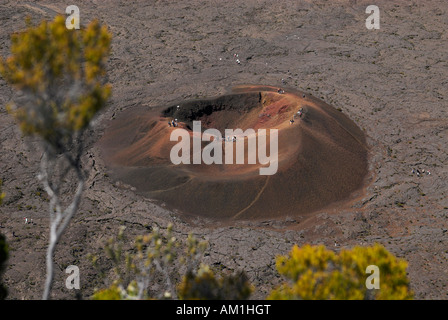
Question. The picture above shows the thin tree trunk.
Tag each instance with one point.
(50, 268)
(58, 220)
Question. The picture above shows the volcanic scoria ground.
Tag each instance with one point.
(390, 82)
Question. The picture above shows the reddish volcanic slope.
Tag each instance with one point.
(322, 156)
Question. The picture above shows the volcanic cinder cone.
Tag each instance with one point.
(322, 155)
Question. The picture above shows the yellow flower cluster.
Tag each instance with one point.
(313, 272)
(59, 71)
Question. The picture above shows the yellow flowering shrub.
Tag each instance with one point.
(59, 73)
(314, 272)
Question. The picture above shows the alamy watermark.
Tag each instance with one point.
(212, 153)
(373, 20)
(373, 281)
(72, 281)
(72, 21)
